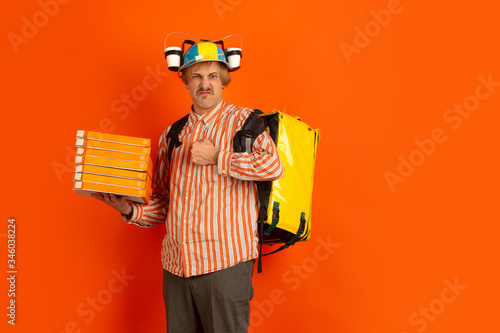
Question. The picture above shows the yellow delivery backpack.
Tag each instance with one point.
(284, 204)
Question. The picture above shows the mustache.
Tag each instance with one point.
(204, 90)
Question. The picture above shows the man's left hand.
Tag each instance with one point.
(202, 152)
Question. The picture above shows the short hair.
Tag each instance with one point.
(224, 75)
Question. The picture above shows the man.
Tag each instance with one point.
(206, 197)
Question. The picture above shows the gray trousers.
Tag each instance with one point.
(216, 302)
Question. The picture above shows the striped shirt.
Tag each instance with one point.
(210, 212)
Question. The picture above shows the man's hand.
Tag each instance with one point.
(120, 204)
(202, 152)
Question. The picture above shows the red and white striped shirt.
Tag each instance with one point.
(210, 211)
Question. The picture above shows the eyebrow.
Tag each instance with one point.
(195, 73)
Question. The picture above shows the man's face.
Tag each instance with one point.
(205, 86)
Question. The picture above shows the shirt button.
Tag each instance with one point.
(185, 198)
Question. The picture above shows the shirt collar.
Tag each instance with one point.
(207, 117)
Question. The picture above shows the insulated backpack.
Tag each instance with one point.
(284, 204)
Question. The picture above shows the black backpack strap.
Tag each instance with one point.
(173, 135)
(253, 127)
(291, 242)
(294, 239)
(243, 142)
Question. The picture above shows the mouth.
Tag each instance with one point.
(204, 92)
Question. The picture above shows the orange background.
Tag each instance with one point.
(392, 250)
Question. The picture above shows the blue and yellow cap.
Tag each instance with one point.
(203, 51)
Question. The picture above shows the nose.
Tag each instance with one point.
(205, 83)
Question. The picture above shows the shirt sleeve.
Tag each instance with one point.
(262, 164)
(155, 212)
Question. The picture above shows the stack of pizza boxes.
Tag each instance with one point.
(113, 163)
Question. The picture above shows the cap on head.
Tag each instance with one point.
(203, 51)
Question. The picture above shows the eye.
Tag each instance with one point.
(213, 76)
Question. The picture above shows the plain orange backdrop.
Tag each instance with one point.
(378, 78)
